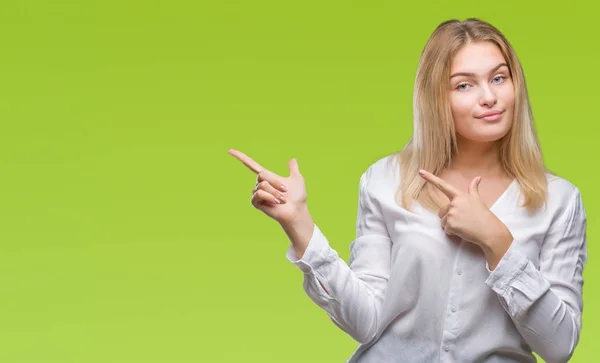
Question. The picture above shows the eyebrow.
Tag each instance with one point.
(467, 74)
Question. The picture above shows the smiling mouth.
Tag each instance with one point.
(492, 117)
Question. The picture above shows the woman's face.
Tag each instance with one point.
(482, 95)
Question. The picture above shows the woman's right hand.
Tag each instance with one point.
(281, 198)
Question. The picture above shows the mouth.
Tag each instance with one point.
(491, 116)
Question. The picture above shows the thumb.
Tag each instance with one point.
(474, 186)
(293, 166)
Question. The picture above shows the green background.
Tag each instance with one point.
(126, 229)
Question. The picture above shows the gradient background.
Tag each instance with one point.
(127, 231)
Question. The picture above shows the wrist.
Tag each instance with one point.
(495, 247)
(299, 231)
(301, 218)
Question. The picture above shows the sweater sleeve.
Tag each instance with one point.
(546, 304)
(353, 293)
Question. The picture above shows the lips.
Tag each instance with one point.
(490, 115)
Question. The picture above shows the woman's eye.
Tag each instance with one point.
(499, 79)
(462, 86)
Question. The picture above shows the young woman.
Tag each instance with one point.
(467, 248)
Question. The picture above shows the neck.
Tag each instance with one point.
(477, 159)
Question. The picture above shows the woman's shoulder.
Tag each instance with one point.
(558, 185)
(562, 193)
(385, 169)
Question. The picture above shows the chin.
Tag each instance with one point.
(490, 133)
(486, 137)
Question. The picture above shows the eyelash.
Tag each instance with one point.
(461, 84)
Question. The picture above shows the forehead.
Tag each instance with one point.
(478, 57)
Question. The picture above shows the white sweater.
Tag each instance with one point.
(412, 294)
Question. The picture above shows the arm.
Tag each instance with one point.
(352, 295)
(546, 304)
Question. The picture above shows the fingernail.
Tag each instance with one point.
(282, 198)
(283, 187)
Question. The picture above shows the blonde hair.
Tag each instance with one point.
(434, 139)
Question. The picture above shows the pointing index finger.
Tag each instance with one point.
(439, 183)
(251, 164)
(264, 174)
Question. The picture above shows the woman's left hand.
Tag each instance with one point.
(467, 217)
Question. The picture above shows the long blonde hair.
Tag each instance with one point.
(434, 139)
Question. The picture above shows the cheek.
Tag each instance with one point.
(508, 96)
(462, 106)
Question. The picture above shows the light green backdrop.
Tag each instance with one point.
(126, 230)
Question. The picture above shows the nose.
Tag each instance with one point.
(488, 97)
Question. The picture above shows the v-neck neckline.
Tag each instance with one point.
(503, 195)
(497, 204)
